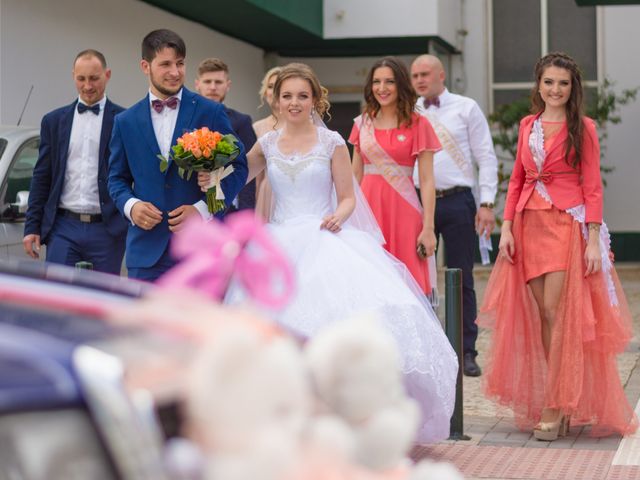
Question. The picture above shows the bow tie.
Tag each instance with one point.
(93, 108)
(435, 101)
(158, 105)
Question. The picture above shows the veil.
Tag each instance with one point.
(362, 217)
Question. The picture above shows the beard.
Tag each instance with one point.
(164, 90)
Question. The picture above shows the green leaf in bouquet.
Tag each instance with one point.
(178, 150)
(184, 161)
(230, 138)
(181, 172)
(164, 164)
(189, 174)
(207, 165)
(221, 160)
(224, 148)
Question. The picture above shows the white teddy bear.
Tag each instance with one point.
(261, 409)
(249, 403)
(355, 370)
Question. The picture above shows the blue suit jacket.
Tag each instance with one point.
(242, 125)
(134, 170)
(48, 174)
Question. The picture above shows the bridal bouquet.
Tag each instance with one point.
(205, 151)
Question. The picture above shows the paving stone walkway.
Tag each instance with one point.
(498, 450)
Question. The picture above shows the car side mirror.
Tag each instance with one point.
(18, 210)
(22, 202)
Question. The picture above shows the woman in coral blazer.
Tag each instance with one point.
(554, 299)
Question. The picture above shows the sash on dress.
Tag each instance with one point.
(401, 180)
(391, 171)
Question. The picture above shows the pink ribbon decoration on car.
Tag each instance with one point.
(211, 253)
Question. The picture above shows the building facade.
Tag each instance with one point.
(489, 48)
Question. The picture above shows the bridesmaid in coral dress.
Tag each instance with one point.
(389, 138)
(554, 300)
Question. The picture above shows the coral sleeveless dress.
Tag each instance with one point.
(592, 325)
(399, 221)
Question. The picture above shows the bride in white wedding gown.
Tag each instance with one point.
(341, 268)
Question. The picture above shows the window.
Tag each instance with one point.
(21, 170)
(522, 31)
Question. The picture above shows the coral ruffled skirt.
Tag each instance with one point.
(580, 377)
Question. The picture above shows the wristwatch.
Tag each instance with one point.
(488, 205)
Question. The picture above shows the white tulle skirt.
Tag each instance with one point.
(349, 273)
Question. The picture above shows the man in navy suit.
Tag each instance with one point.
(157, 203)
(214, 83)
(70, 209)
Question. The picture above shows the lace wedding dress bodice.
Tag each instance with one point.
(302, 183)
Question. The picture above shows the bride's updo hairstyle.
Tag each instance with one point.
(320, 94)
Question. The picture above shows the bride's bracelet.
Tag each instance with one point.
(594, 227)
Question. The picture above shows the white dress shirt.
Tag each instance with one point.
(164, 124)
(80, 188)
(461, 120)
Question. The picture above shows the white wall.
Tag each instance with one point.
(40, 38)
(364, 18)
(622, 65)
(472, 79)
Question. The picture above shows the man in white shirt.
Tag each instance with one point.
(464, 134)
(70, 209)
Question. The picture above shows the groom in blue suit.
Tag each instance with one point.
(156, 203)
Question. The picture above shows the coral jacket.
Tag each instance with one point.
(567, 187)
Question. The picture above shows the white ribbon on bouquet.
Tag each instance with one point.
(216, 177)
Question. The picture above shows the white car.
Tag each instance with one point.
(18, 155)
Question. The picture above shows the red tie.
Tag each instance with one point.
(171, 102)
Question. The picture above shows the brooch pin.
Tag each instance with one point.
(402, 138)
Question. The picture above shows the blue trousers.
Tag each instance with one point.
(72, 241)
(151, 274)
(455, 221)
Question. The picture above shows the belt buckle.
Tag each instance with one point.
(439, 193)
(85, 217)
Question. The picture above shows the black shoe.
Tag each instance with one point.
(471, 368)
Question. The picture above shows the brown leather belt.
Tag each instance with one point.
(83, 217)
(450, 191)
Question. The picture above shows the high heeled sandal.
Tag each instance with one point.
(550, 431)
